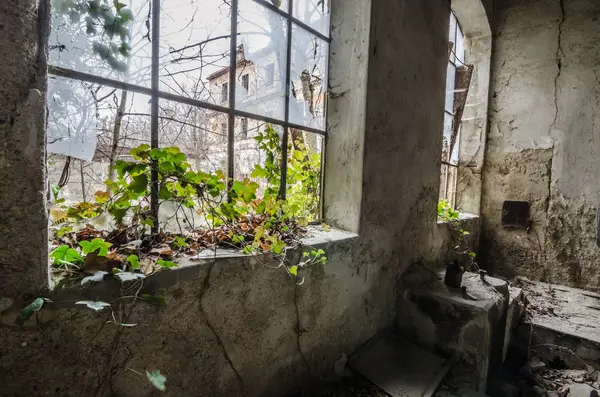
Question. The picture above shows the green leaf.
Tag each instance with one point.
(134, 261)
(64, 230)
(33, 307)
(94, 305)
(180, 242)
(139, 184)
(66, 255)
(166, 264)
(96, 245)
(156, 300)
(294, 270)
(157, 379)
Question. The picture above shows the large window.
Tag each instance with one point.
(202, 75)
(457, 82)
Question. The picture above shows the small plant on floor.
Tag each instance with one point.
(460, 237)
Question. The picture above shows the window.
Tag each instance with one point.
(244, 124)
(458, 78)
(176, 85)
(245, 84)
(270, 74)
(224, 92)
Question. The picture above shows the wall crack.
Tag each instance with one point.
(299, 330)
(205, 284)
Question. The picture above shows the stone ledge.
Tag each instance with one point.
(189, 269)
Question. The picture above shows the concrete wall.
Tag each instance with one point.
(542, 144)
(22, 150)
(233, 327)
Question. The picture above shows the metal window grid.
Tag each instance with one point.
(156, 94)
(449, 193)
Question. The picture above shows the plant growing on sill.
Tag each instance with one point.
(459, 237)
(256, 225)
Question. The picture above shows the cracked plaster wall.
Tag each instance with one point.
(542, 141)
(236, 328)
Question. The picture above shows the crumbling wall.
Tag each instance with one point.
(234, 328)
(407, 72)
(23, 217)
(541, 145)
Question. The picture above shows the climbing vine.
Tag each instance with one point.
(234, 213)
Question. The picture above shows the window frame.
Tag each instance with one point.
(230, 110)
(448, 192)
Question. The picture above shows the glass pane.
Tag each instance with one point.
(308, 79)
(260, 72)
(201, 135)
(84, 120)
(81, 41)
(194, 48)
(460, 47)
(256, 144)
(450, 84)
(305, 155)
(314, 13)
(446, 137)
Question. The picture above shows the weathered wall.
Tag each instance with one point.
(407, 71)
(23, 219)
(237, 329)
(541, 143)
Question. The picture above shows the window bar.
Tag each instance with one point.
(154, 111)
(73, 74)
(232, 78)
(286, 128)
(289, 16)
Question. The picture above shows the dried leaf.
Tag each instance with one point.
(97, 277)
(94, 305)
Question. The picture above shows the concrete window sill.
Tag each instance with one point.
(195, 269)
(463, 218)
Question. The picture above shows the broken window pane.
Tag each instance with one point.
(194, 48)
(308, 79)
(314, 13)
(100, 39)
(262, 42)
(95, 126)
(72, 117)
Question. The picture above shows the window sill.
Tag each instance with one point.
(463, 217)
(191, 269)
